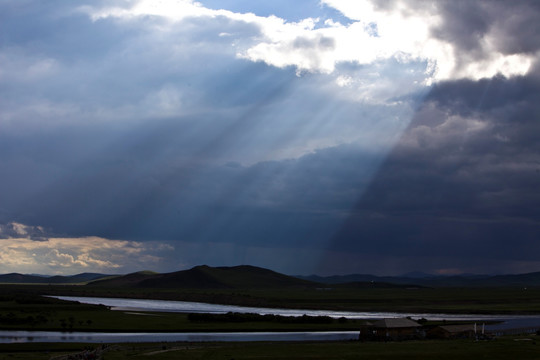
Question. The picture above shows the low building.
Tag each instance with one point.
(392, 329)
(464, 331)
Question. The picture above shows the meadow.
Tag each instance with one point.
(22, 307)
(503, 348)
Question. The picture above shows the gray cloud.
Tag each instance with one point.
(138, 190)
(508, 27)
(16, 230)
(133, 129)
(132, 140)
(462, 181)
(465, 23)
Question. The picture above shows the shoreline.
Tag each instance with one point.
(202, 307)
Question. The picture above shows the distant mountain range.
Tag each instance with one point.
(15, 278)
(246, 276)
(468, 280)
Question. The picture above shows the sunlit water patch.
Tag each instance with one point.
(196, 307)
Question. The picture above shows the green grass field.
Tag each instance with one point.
(21, 307)
(504, 348)
(37, 313)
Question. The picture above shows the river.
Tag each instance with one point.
(507, 322)
(99, 337)
(196, 307)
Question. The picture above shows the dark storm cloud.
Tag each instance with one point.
(464, 24)
(156, 128)
(510, 26)
(463, 180)
(144, 188)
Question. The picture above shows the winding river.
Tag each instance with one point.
(506, 322)
(196, 307)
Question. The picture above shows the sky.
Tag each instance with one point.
(308, 137)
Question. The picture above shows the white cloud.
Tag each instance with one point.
(401, 31)
(67, 255)
(19, 229)
(405, 28)
(343, 81)
(15, 230)
(173, 9)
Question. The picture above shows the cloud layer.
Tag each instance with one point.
(29, 249)
(459, 39)
(462, 181)
(342, 133)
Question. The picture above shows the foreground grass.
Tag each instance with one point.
(22, 308)
(522, 348)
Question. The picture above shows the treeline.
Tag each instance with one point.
(235, 317)
(12, 319)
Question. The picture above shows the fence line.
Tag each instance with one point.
(516, 331)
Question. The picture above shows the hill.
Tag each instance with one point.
(206, 277)
(246, 276)
(16, 278)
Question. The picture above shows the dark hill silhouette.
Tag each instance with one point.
(21, 279)
(519, 280)
(374, 285)
(124, 280)
(246, 276)
(16, 278)
(206, 277)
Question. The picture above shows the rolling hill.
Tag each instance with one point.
(246, 276)
(206, 277)
(16, 278)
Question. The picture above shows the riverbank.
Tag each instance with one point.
(87, 315)
(49, 314)
(27, 311)
(400, 300)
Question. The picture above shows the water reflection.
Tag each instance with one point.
(94, 337)
(195, 307)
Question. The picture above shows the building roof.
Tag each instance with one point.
(458, 328)
(396, 323)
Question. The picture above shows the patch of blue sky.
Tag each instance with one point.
(290, 11)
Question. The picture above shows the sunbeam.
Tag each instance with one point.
(319, 136)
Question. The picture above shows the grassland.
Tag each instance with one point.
(523, 348)
(64, 316)
(24, 311)
(21, 307)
